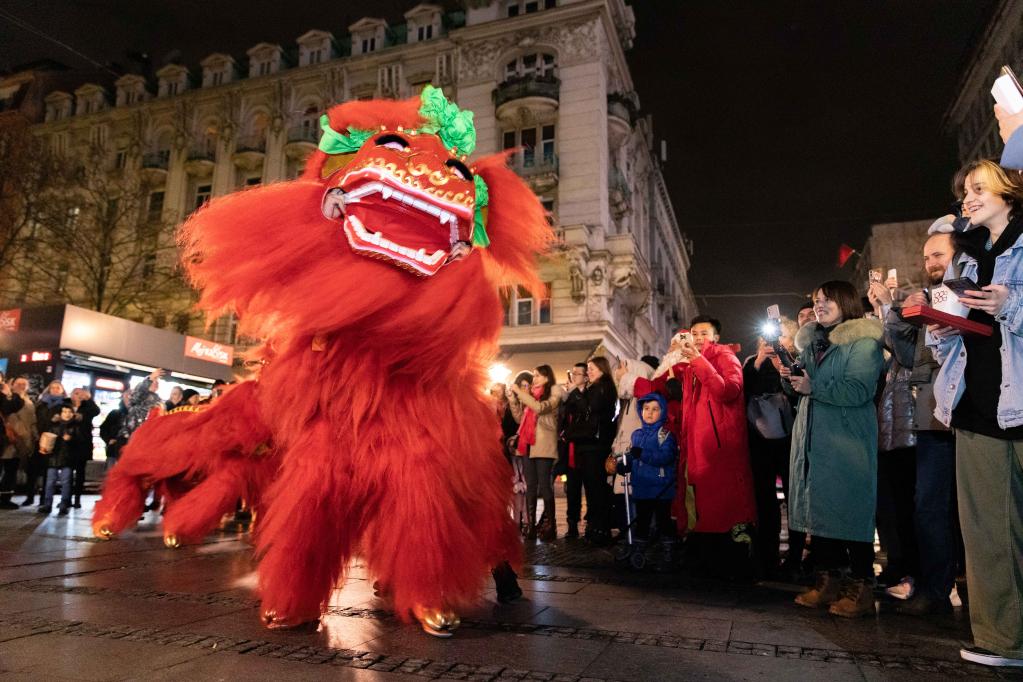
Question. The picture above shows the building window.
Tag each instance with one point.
(172, 88)
(58, 143)
(155, 212)
(389, 79)
(121, 159)
(549, 211)
(424, 32)
(537, 144)
(517, 7)
(253, 181)
(369, 45)
(218, 77)
(62, 275)
(522, 309)
(536, 64)
(445, 67)
(225, 329)
(181, 323)
(98, 136)
(148, 265)
(202, 195)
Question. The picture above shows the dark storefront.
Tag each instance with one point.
(106, 354)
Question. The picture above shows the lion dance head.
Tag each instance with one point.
(390, 225)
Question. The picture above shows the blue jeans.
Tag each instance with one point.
(936, 516)
(51, 483)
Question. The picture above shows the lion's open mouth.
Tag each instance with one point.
(419, 230)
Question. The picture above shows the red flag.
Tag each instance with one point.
(845, 252)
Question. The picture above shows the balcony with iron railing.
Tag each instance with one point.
(539, 170)
(251, 143)
(156, 160)
(302, 141)
(203, 151)
(539, 93)
(304, 133)
(249, 151)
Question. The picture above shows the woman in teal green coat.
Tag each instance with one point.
(833, 464)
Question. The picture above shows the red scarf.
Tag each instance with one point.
(527, 428)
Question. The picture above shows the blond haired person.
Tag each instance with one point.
(979, 392)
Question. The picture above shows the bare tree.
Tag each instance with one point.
(102, 242)
(27, 174)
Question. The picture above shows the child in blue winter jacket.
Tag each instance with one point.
(654, 464)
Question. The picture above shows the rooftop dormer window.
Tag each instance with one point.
(218, 69)
(173, 80)
(423, 22)
(368, 35)
(315, 47)
(90, 98)
(264, 60)
(58, 106)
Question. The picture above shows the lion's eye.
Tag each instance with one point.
(392, 141)
(461, 170)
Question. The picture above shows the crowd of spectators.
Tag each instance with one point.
(877, 425)
(48, 439)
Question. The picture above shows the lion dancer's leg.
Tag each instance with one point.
(438, 531)
(190, 516)
(310, 517)
(187, 446)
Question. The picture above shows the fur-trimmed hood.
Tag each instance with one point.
(637, 370)
(844, 333)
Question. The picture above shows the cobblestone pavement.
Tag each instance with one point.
(72, 607)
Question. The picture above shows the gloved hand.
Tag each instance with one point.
(673, 387)
(623, 468)
(636, 453)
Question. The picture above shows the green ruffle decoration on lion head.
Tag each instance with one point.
(442, 118)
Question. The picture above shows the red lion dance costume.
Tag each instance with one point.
(367, 431)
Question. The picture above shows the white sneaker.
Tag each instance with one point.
(975, 654)
(904, 590)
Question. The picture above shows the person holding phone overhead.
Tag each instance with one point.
(979, 392)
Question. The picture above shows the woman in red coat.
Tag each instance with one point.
(714, 449)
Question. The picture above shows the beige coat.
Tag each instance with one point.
(23, 425)
(546, 446)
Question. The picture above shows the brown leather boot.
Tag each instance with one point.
(857, 600)
(825, 592)
(546, 530)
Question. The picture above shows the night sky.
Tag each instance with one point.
(791, 126)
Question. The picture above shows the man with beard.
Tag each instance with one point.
(935, 501)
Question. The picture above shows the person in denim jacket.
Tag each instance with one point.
(979, 392)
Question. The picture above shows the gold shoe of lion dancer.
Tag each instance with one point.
(437, 622)
(274, 621)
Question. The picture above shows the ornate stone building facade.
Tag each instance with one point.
(547, 77)
(971, 118)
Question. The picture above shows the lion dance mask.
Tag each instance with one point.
(373, 281)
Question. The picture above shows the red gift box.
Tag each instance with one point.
(925, 314)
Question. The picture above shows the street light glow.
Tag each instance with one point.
(498, 373)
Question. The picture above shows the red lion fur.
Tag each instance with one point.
(382, 443)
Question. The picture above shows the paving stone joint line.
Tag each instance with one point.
(619, 637)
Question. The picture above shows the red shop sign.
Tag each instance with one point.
(200, 349)
(10, 320)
